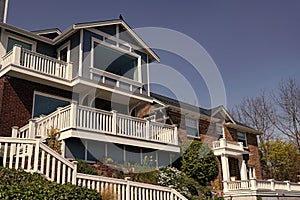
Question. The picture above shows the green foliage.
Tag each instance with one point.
(280, 160)
(85, 168)
(18, 184)
(199, 162)
(172, 177)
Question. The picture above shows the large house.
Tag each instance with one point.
(91, 82)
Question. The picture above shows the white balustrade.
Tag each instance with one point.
(37, 62)
(125, 190)
(239, 185)
(91, 119)
(33, 156)
(223, 143)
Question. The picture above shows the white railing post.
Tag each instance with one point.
(32, 128)
(253, 184)
(14, 134)
(17, 50)
(14, 131)
(225, 186)
(288, 185)
(73, 114)
(127, 195)
(114, 121)
(147, 130)
(272, 184)
(36, 156)
(175, 134)
(222, 143)
(69, 71)
(74, 174)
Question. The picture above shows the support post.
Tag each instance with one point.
(147, 130)
(253, 184)
(225, 171)
(288, 185)
(32, 129)
(73, 114)
(244, 170)
(14, 134)
(114, 121)
(69, 71)
(74, 174)
(272, 184)
(175, 134)
(36, 156)
(127, 195)
(17, 50)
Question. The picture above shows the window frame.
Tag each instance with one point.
(108, 45)
(19, 38)
(46, 95)
(243, 139)
(221, 129)
(62, 47)
(194, 127)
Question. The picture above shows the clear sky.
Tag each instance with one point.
(254, 43)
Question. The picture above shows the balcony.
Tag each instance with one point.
(224, 146)
(20, 60)
(96, 124)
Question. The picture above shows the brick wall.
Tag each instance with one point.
(16, 101)
(254, 159)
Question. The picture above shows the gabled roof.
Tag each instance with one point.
(212, 114)
(62, 36)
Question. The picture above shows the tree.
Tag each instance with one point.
(199, 162)
(257, 112)
(280, 160)
(287, 119)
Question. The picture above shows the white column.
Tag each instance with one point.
(225, 171)
(244, 170)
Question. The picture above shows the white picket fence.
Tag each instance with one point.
(33, 156)
(96, 120)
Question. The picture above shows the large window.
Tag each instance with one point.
(11, 42)
(116, 62)
(191, 126)
(242, 138)
(45, 104)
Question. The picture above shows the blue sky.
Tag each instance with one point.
(254, 43)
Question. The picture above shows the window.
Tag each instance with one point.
(11, 42)
(45, 104)
(63, 52)
(114, 61)
(191, 126)
(242, 138)
(219, 131)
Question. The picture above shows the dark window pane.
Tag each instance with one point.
(46, 105)
(11, 42)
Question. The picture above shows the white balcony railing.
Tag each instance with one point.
(99, 121)
(115, 81)
(37, 62)
(34, 156)
(223, 143)
(261, 185)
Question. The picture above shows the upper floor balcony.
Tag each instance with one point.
(26, 64)
(37, 67)
(224, 146)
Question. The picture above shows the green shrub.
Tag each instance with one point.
(199, 162)
(18, 184)
(85, 168)
(172, 177)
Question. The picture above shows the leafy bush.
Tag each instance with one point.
(172, 177)
(85, 168)
(199, 162)
(18, 184)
